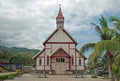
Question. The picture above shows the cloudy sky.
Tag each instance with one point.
(27, 23)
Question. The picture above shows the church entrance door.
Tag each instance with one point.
(60, 65)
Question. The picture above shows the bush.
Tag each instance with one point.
(7, 76)
(83, 76)
(106, 77)
(3, 77)
(93, 76)
(27, 69)
(11, 76)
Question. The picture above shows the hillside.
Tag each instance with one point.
(14, 50)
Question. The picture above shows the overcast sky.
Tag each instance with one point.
(27, 23)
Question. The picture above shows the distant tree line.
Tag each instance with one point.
(21, 55)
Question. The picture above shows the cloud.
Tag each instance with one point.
(27, 23)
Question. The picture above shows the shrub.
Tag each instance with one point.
(106, 77)
(93, 76)
(11, 76)
(82, 76)
(27, 69)
(3, 77)
(7, 76)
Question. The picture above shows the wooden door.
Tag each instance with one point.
(60, 66)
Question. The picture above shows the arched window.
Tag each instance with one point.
(47, 60)
(72, 60)
(79, 61)
(40, 61)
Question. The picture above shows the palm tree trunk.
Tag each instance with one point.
(110, 65)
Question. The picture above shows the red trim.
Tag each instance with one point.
(55, 32)
(69, 36)
(75, 61)
(50, 36)
(81, 54)
(60, 56)
(44, 57)
(60, 43)
(50, 64)
(60, 50)
(51, 48)
(69, 64)
(84, 65)
(69, 48)
(39, 53)
(35, 64)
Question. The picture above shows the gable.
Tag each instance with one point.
(38, 54)
(80, 55)
(60, 36)
(60, 53)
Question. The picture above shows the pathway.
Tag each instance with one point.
(29, 77)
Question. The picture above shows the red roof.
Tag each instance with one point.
(60, 50)
(60, 15)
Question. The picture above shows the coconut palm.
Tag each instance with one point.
(106, 34)
(111, 48)
(116, 67)
(116, 22)
(102, 33)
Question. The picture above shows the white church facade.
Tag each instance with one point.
(59, 55)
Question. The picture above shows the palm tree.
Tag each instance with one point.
(116, 22)
(116, 67)
(111, 48)
(116, 64)
(106, 35)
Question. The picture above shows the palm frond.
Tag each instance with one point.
(98, 30)
(116, 22)
(104, 45)
(117, 37)
(86, 47)
(103, 22)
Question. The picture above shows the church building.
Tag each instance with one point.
(59, 55)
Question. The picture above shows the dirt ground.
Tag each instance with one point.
(31, 77)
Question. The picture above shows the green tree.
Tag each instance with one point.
(106, 34)
(27, 58)
(111, 48)
(22, 57)
(116, 67)
(4, 55)
(15, 58)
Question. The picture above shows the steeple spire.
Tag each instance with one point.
(60, 15)
(60, 19)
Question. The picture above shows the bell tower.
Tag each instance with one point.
(60, 19)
